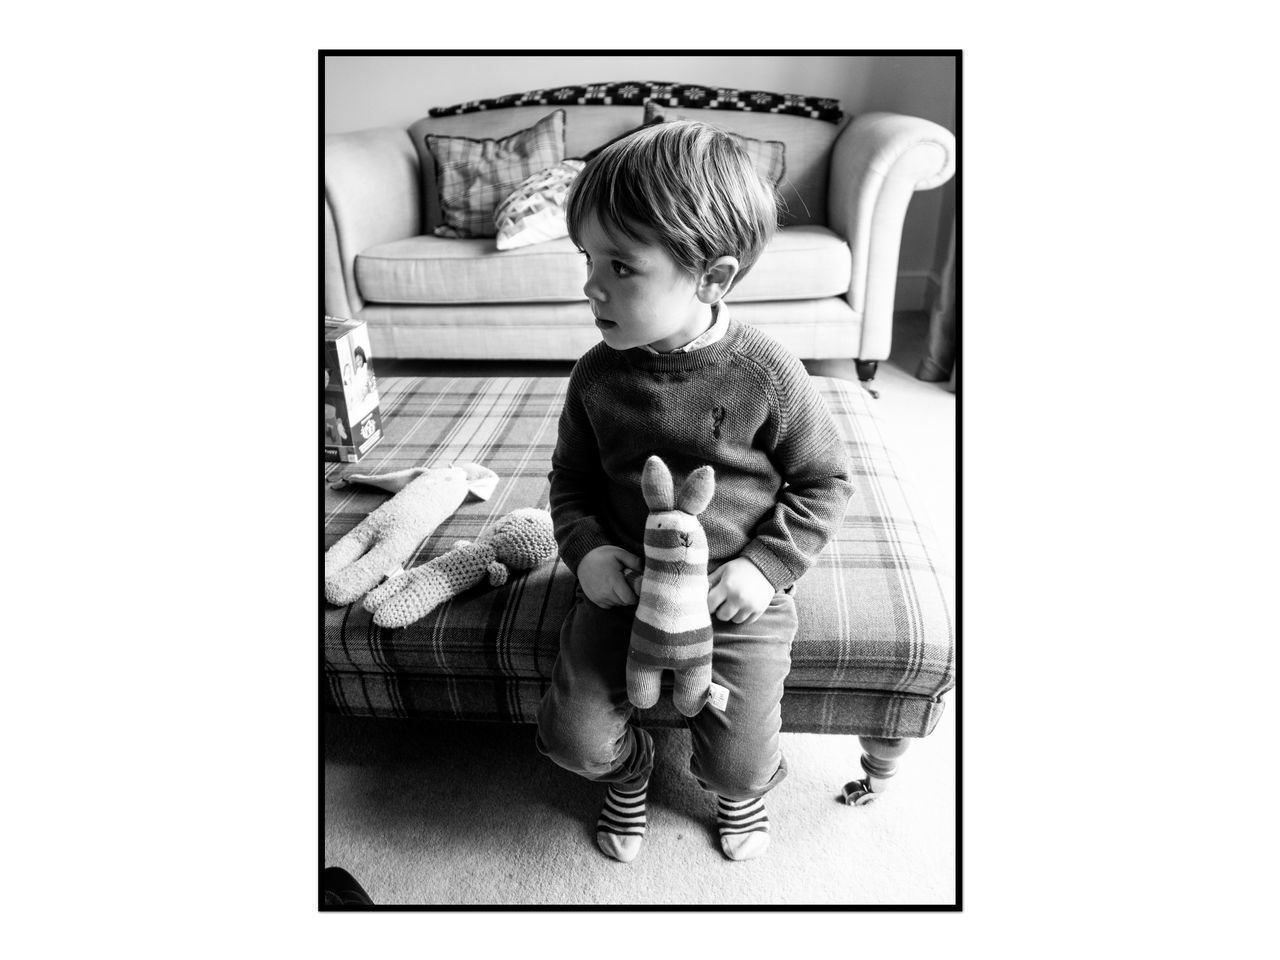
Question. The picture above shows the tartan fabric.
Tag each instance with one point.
(636, 92)
(768, 156)
(873, 655)
(506, 700)
(474, 176)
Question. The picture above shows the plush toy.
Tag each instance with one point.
(386, 538)
(521, 540)
(672, 629)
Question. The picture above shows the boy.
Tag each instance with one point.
(669, 219)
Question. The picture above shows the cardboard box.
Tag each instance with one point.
(352, 420)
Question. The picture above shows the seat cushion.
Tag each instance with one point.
(800, 263)
(874, 652)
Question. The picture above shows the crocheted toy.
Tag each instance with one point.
(521, 540)
(381, 543)
(672, 628)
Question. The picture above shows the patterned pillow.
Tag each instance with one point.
(535, 211)
(474, 176)
(769, 156)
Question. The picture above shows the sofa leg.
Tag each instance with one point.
(879, 762)
(866, 373)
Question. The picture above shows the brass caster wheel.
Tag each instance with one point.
(858, 793)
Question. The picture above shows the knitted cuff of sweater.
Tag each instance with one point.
(774, 570)
(579, 544)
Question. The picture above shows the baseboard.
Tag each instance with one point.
(916, 290)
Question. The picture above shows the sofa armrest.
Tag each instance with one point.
(372, 195)
(878, 161)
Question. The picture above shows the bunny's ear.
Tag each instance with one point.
(659, 491)
(696, 491)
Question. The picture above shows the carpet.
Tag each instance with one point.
(450, 813)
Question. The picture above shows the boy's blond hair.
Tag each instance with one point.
(690, 185)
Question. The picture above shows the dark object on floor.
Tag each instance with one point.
(341, 889)
(866, 373)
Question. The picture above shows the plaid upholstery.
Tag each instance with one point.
(474, 176)
(875, 649)
(769, 156)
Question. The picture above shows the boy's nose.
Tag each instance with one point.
(592, 288)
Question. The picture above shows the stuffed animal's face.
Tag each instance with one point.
(525, 538)
(676, 537)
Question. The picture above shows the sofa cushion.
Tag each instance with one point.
(535, 210)
(768, 156)
(800, 263)
(585, 129)
(803, 188)
(592, 154)
(473, 176)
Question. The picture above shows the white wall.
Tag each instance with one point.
(375, 91)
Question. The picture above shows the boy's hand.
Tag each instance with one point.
(600, 574)
(739, 591)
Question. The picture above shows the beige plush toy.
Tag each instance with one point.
(521, 540)
(381, 543)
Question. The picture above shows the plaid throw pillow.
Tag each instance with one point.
(769, 156)
(474, 176)
(535, 210)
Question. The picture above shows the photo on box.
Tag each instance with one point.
(351, 419)
(334, 430)
(357, 373)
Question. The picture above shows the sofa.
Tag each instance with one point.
(824, 287)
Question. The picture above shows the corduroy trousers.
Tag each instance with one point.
(584, 720)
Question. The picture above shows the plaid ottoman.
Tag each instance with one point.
(874, 653)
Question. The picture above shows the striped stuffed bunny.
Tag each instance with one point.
(672, 628)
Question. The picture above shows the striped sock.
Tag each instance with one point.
(743, 826)
(620, 829)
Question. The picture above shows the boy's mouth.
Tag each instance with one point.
(604, 324)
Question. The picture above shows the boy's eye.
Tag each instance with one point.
(619, 268)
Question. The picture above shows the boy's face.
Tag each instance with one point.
(639, 294)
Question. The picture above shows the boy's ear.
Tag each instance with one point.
(717, 279)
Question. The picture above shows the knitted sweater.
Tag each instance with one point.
(743, 405)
